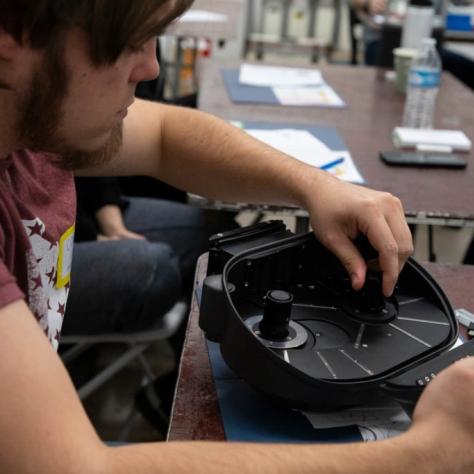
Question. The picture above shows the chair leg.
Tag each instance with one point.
(110, 371)
(150, 375)
(75, 351)
(128, 425)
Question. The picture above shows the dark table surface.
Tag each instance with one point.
(366, 124)
(196, 414)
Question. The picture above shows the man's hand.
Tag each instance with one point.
(340, 211)
(123, 234)
(445, 417)
(112, 226)
(376, 7)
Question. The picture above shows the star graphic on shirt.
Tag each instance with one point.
(38, 283)
(61, 309)
(50, 274)
(35, 229)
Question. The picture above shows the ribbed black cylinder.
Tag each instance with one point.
(276, 315)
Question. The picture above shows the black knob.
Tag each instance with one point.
(370, 296)
(369, 305)
(276, 315)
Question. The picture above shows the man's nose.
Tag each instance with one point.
(147, 67)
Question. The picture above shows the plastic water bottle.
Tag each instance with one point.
(423, 85)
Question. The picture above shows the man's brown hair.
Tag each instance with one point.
(110, 24)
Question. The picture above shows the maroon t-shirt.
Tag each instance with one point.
(37, 215)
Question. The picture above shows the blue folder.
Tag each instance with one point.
(248, 94)
(328, 135)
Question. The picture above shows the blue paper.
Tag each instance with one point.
(250, 416)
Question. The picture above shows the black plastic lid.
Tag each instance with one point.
(421, 3)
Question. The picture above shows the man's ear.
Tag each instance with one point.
(8, 46)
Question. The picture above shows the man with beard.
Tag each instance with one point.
(68, 70)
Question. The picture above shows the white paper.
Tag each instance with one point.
(269, 76)
(456, 139)
(305, 147)
(376, 421)
(384, 430)
(323, 96)
(459, 342)
(195, 16)
(346, 171)
(299, 144)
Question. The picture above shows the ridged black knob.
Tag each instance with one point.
(370, 296)
(276, 315)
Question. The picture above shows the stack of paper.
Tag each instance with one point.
(280, 85)
(376, 421)
(269, 76)
(304, 146)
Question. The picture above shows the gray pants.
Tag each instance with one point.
(125, 285)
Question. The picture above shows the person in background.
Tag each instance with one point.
(68, 71)
(133, 259)
(143, 252)
(457, 64)
(371, 37)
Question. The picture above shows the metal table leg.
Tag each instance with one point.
(301, 225)
(177, 67)
(431, 252)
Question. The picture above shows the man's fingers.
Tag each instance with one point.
(402, 235)
(389, 234)
(350, 257)
(132, 236)
(380, 217)
(382, 239)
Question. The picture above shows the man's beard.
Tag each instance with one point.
(41, 114)
(77, 160)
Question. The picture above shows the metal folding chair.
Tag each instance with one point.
(135, 345)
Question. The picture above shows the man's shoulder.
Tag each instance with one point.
(37, 174)
(37, 163)
(35, 188)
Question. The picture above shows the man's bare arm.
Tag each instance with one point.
(200, 153)
(45, 429)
